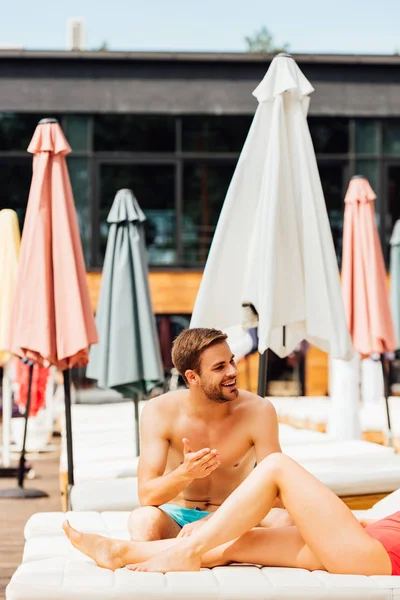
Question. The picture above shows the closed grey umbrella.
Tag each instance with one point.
(395, 280)
(127, 357)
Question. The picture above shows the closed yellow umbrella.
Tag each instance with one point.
(10, 240)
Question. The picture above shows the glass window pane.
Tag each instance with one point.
(154, 188)
(369, 168)
(366, 136)
(393, 203)
(391, 136)
(79, 174)
(204, 191)
(134, 133)
(214, 133)
(329, 135)
(15, 182)
(16, 130)
(76, 130)
(332, 177)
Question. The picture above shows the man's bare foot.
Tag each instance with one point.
(179, 557)
(104, 551)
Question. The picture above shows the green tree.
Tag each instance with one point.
(103, 47)
(263, 41)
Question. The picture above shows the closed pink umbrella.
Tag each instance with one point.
(365, 292)
(52, 320)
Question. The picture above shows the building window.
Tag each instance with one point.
(204, 189)
(369, 168)
(15, 182)
(332, 179)
(393, 194)
(16, 130)
(79, 174)
(367, 136)
(391, 136)
(154, 188)
(214, 133)
(76, 130)
(134, 133)
(329, 135)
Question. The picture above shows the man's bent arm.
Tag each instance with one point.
(162, 489)
(155, 488)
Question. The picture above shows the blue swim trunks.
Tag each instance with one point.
(182, 515)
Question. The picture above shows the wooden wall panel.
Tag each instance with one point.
(171, 293)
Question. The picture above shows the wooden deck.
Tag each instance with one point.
(15, 513)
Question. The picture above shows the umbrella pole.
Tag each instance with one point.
(68, 425)
(386, 370)
(136, 401)
(262, 374)
(20, 491)
(21, 468)
(6, 470)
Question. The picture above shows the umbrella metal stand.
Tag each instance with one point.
(262, 368)
(20, 491)
(68, 426)
(262, 374)
(386, 369)
(136, 401)
(6, 470)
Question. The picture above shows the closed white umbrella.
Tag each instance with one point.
(273, 245)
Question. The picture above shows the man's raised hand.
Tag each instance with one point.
(197, 465)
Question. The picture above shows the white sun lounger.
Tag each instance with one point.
(314, 412)
(52, 570)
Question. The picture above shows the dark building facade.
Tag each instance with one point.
(171, 127)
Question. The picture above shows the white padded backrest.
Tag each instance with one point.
(105, 495)
(386, 506)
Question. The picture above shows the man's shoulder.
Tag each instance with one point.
(166, 401)
(250, 402)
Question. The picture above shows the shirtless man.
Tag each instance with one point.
(198, 445)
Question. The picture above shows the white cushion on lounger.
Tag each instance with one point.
(49, 523)
(105, 469)
(317, 409)
(105, 494)
(70, 579)
(359, 477)
(386, 506)
(289, 435)
(349, 450)
(53, 570)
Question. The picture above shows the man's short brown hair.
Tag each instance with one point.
(189, 346)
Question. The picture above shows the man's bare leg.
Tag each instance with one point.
(277, 517)
(114, 554)
(324, 522)
(149, 523)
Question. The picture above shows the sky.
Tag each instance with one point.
(315, 26)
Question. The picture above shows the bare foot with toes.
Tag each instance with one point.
(104, 551)
(179, 557)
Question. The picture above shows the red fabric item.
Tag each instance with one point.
(387, 532)
(39, 382)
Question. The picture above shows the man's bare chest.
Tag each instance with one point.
(233, 444)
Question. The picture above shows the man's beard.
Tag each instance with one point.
(215, 394)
